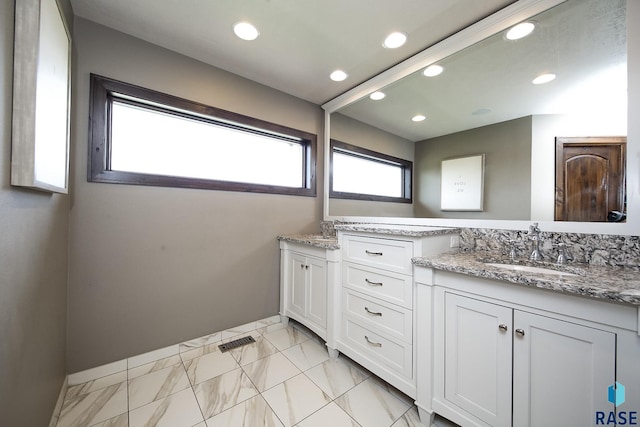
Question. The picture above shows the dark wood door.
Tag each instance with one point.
(590, 178)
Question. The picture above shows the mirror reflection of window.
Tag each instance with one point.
(353, 174)
(362, 174)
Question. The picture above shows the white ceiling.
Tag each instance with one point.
(301, 41)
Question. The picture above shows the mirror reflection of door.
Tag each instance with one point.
(590, 179)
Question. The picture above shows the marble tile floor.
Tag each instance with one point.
(284, 379)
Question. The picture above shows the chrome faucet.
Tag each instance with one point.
(534, 235)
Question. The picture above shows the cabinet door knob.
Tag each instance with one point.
(372, 343)
(520, 332)
(503, 327)
(368, 252)
(301, 265)
(373, 283)
(373, 313)
(306, 267)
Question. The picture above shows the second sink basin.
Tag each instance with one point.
(530, 269)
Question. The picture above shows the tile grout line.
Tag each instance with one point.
(192, 386)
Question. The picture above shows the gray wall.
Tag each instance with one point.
(152, 266)
(354, 132)
(33, 276)
(507, 178)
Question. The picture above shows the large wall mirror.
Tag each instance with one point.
(485, 102)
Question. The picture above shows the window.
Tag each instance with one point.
(361, 174)
(139, 136)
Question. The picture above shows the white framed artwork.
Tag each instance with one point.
(462, 183)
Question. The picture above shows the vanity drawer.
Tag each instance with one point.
(383, 317)
(394, 356)
(388, 254)
(392, 287)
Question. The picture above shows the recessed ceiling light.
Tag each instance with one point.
(418, 118)
(338, 76)
(394, 40)
(521, 30)
(433, 70)
(543, 78)
(246, 31)
(377, 96)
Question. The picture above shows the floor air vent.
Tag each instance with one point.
(236, 343)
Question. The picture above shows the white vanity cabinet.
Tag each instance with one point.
(308, 288)
(559, 370)
(307, 277)
(377, 300)
(507, 355)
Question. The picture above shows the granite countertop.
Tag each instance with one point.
(397, 230)
(319, 241)
(316, 240)
(616, 284)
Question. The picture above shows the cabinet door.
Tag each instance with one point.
(561, 372)
(298, 274)
(317, 292)
(478, 360)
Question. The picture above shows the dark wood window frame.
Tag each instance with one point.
(105, 90)
(406, 165)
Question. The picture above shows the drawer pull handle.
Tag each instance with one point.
(372, 343)
(373, 283)
(373, 253)
(373, 313)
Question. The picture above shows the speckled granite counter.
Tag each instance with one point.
(312, 240)
(397, 230)
(319, 241)
(608, 283)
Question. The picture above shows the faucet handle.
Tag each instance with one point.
(563, 255)
(512, 249)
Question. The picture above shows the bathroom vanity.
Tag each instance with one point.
(502, 346)
(481, 339)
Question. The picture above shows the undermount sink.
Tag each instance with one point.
(530, 269)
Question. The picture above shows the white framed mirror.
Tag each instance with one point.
(552, 21)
